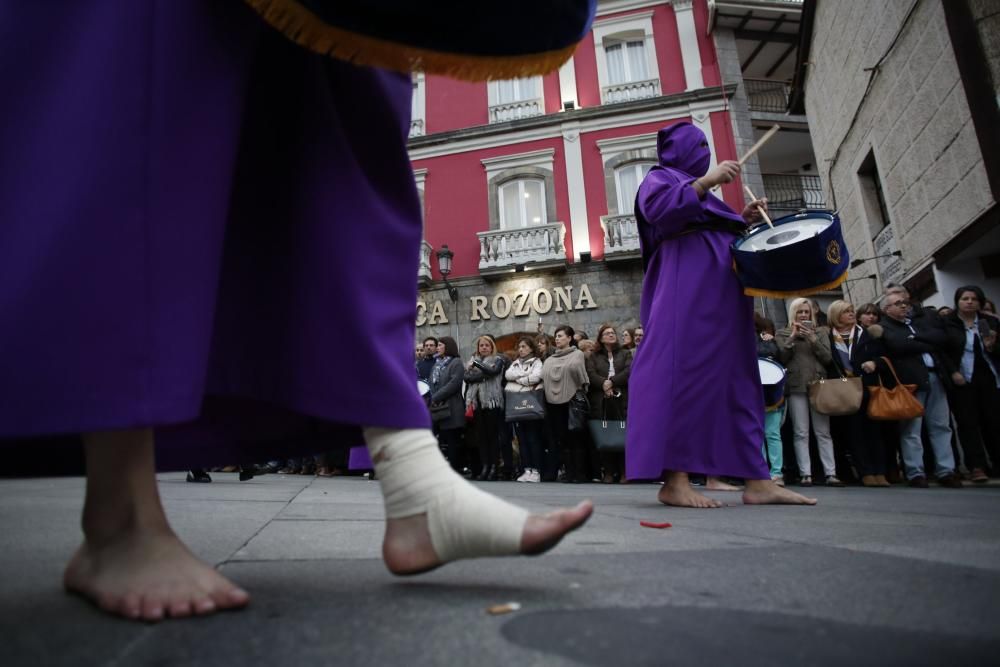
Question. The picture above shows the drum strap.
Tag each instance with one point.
(730, 226)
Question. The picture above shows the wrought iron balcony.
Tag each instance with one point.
(424, 272)
(515, 110)
(621, 237)
(767, 95)
(417, 127)
(632, 90)
(788, 193)
(506, 249)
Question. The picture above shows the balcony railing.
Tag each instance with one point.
(507, 248)
(787, 193)
(633, 90)
(417, 127)
(515, 110)
(424, 272)
(767, 95)
(621, 235)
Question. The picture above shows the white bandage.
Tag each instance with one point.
(463, 521)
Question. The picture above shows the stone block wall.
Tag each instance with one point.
(913, 117)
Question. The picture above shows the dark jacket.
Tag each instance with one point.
(597, 372)
(955, 328)
(448, 388)
(868, 347)
(424, 368)
(906, 348)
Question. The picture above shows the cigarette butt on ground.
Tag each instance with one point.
(652, 524)
(505, 608)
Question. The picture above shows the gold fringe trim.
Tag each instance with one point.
(752, 291)
(306, 29)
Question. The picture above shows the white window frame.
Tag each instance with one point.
(520, 183)
(618, 29)
(623, 42)
(623, 205)
(418, 106)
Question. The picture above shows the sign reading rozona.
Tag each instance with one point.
(515, 304)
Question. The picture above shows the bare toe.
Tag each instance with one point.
(542, 532)
(152, 608)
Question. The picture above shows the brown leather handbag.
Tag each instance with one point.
(893, 404)
(836, 396)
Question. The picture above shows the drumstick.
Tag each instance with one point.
(759, 207)
(756, 147)
(763, 140)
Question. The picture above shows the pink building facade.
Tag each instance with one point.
(531, 183)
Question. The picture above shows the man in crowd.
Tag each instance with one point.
(426, 362)
(915, 346)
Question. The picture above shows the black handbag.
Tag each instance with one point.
(579, 410)
(608, 435)
(523, 406)
(440, 411)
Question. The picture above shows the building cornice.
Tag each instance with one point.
(549, 126)
(615, 6)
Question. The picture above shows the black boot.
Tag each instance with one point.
(198, 475)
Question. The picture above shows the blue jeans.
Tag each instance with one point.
(772, 449)
(935, 404)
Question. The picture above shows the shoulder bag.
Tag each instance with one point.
(523, 406)
(579, 409)
(896, 403)
(609, 436)
(836, 396)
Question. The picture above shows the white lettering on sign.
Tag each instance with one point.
(523, 303)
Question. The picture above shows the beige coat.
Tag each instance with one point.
(806, 361)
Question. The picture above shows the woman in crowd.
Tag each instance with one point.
(989, 307)
(628, 339)
(525, 375)
(484, 394)
(543, 346)
(804, 349)
(608, 370)
(563, 374)
(446, 388)
(774, 415)
(856, 352)
(975, 399)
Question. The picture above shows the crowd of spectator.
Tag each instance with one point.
(949, 355)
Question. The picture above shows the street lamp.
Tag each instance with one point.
(445, 256)
(855, 263)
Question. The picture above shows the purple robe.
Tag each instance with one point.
(695, 397)
(203, 228)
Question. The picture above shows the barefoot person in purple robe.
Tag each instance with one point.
(193, 207)
(695, 396)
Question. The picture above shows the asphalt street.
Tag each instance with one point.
(869, 576)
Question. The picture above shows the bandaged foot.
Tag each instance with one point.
(433, 516)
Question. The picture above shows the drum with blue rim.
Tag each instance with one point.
(802, 254)
(772, 377)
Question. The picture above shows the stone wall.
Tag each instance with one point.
(612, 294)
(913, 117)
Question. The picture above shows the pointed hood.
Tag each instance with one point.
(684, 147)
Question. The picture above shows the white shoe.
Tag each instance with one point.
(534, 476)
(525, 476)
(778, 479)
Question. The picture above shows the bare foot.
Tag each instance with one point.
(716, 484)
(685, 497)
(149, 577)
(407, 547)
(766, 492)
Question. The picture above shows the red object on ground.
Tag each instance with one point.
(650, 524)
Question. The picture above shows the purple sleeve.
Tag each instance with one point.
(668, 202)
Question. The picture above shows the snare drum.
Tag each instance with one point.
(772, 376)
(802, 254)
(425, 390)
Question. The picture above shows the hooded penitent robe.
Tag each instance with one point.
(695, 397)
(197, 217)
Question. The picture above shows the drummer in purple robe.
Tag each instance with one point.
(695, 396)
(193, 208)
